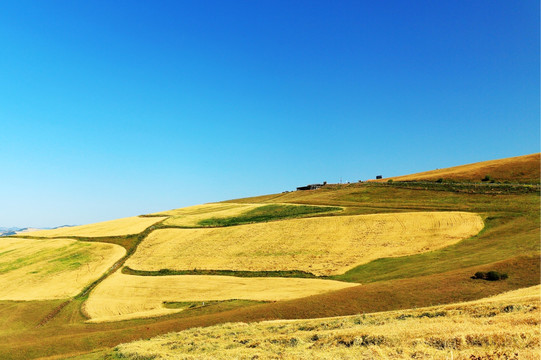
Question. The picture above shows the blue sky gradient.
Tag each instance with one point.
(118, 108)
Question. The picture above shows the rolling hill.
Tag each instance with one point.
(448, 331)
(339, 250)
(519, 169)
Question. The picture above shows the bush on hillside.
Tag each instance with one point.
(490, 276)
(487, 178)
(479, 275)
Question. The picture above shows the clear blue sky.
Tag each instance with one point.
(118, 108)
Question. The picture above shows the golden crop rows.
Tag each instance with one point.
(322, 246)
(122, 296)
(125, 226)
(52, 268)
(190, 216)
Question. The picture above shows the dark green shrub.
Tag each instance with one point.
(487, 178)
(432, 315)
(490, 276)
(479, 275)
(390, 181)
(493, 276)
(440, 180)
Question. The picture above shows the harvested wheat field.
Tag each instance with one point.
(125, 226)
(122, 296)
(228, 209)
(190, 216)
(502, 327)
(52, 268)
(321, 246)
(516, 169)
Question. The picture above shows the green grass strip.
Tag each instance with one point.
(269, 213)
(285, 273)
(189, 305)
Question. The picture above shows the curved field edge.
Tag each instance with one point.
(498, 240)
(68, 334)
(508, 322)
(320, 246)
(271, 212)
(512, 225)
(53, 268)
(119, 227)
(231, 214)
(513, 230)
(122, 296)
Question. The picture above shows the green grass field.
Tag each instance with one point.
(269, 213)
(509, 243)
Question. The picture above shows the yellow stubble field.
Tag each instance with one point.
(51, 268)
(502, 327)
(190, 216)
(125, 226)
(122, 297)
(321, 246)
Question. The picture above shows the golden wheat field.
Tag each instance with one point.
(122, 296)
(51, 268)
(199, 209)
(322, 246)
(503, 327)
(190, 216)
(516, 169)
(125, 226)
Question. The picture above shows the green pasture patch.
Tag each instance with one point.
(69, 261)
(68, 257)
(512, 232)
(269, 213)
(511, 215)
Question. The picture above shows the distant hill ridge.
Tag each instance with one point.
(518, 169)
(5, 231)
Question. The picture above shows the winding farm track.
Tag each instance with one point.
(117, 265)
(509, 244)
(399, 219)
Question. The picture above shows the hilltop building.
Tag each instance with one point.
(312, 186)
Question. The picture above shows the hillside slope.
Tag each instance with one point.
(508, 244)
(469, 330)
(519, 169)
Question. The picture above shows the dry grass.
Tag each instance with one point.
(199, 209)
(322, 246)
(125, 226)
(509, 244)
(516, 169)
(190, 216)
(53, 268)
(502, 327)
(69, 334)
(122, 297)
